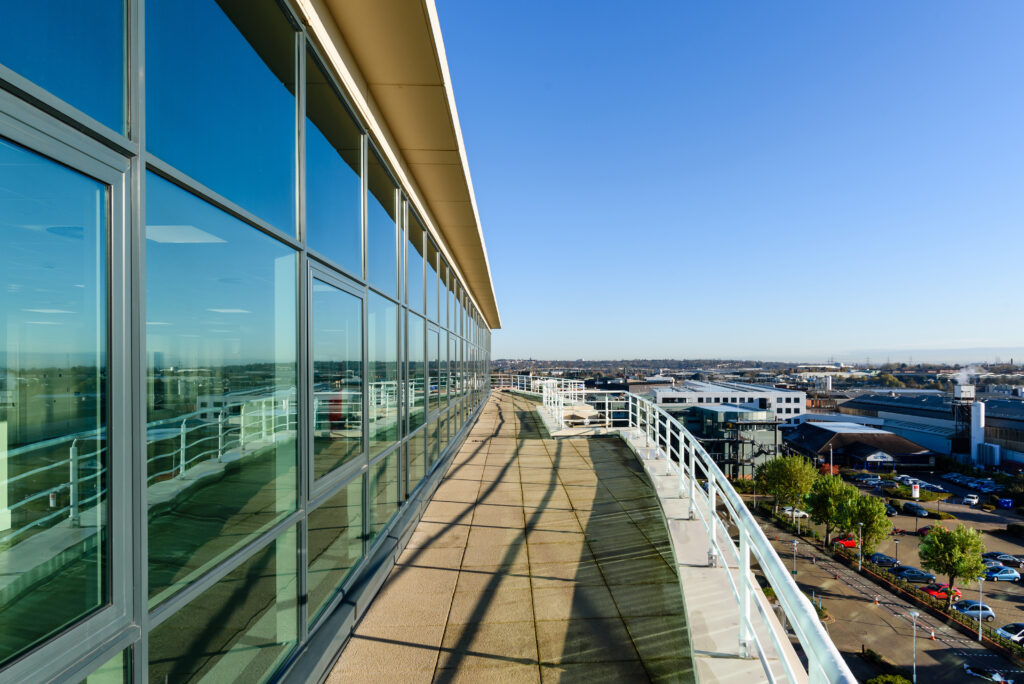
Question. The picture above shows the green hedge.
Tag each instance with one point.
(889, 679)
(903, 492)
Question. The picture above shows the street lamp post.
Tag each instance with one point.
(981, 581)
(860, 545)
(795, 542)
(914, 614)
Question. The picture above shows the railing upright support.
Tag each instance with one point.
(693, 481)
(182, 451)
(73, 512)
(713, 519)
(220, 436)
(746, 628)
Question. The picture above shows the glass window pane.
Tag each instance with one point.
(417, 458)
(220, 103)
(53, 397)
(415, 274)
(385, 492)
(334, 211)
(114, 671)
(221, 346)
(382, 249)
(240, 629)
(417, 390)
(74, 49)
(434, 369)
(433, 443)
(431, 281)
(382, 364)
(337, 377)
(335, 541)
(442, 288)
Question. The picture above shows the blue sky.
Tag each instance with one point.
(777, 180)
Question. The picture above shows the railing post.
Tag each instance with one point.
(713, 519)
(693, 481)
(746, 628)
(73, 483)
(220, 436)
(181, 451)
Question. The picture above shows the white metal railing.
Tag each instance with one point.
(686, 459)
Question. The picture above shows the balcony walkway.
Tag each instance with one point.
(536, 560)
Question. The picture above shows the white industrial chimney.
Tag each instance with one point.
(977, 426)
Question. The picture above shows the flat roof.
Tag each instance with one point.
(694, 386)
(848, 428)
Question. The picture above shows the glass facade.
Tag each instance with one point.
(226, 357)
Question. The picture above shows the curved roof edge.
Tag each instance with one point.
(390, 57)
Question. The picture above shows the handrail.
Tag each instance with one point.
(684, 456)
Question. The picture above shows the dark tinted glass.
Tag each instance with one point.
(220, 102)
(221, 345)
(433, 371)
(335, 543)
(240, 629)
(74, 49)
(333, 187)
(382, 249)
(337, 377)
(54, 542)
(385, 491)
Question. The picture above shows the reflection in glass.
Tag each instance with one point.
(433, 443)
(333, 188)
(220, 103)
(381, 247)
(54, 550)
(238, 630)
(337, 377)
(417, 389)
(417, 458)
(221, 346)
(431, 281)
(415, 267)
(114, 671)
(335, 542)
(433, 371)
(74, 49)
(385, 492)
(382, 364)
(442, 289)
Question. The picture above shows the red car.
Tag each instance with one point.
(941, 591)
(924, 531)
(847, 541)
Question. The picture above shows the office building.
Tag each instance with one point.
(780, 402)
(245, 310)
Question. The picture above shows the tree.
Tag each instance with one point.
(865, 515)
(827, 502)
(788, 479)
(954, 553)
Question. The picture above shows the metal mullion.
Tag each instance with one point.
(210, 196)
(215, 574)
(336, 484)
(43, 100)
(364, 199)
(329, 263)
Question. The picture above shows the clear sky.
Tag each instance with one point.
(777, 180)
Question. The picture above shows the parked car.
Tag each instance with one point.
(925, 531)
(847, 541)
(911, 508)
(1006, 559)
(871, 481)
(790, 512)
(1013, 631)
(881, 560)
(941, 591)
(933, 487)
(890, 511)
(970, 500)
(992, 563)
(911, 574)
(1002, 574)
(974, 609)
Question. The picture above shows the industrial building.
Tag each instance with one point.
(856, 446)
(244, 326)
(779, 402)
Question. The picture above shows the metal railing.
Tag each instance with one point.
(687, 460)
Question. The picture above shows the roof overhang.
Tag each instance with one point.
(390, 56)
